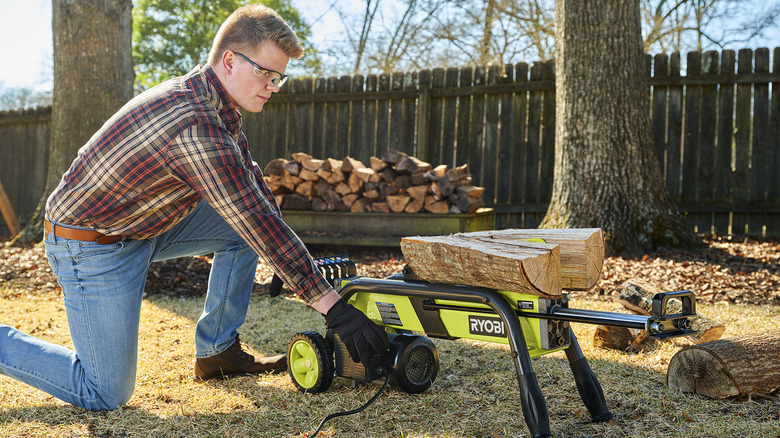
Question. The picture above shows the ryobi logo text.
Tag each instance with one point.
(480, 325)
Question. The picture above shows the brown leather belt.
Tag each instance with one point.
(82, 235)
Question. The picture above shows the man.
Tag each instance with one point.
(168, 176)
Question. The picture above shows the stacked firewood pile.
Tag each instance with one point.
(397, 183)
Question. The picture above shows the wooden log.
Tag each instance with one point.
(332, 164)
(275, 167)
(637, 296)
(386, 175)
(437, 172)
(342, 189)
(377, 164)
(350, 164)
(468, 204)
(414, 206)
(321, 187)
(470, 191)
(418, 178)
(292, 167)
(397, 203)
(355, 184)
(418, 192)
(380, 207)
(308, 175)
(613, 338)
(581, 251)
(510, 265)
(437, 207)
(360, 205)
(410, 164)
(393, 157)
(312, 164)
(402, 182)
(740, 366)
(300, 156)
(386, 189)
(349, 199)
(318, 204)
(363, 173)
(305, 189)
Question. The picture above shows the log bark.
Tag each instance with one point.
(613, 338)
(510, 265)
(581, 249)
(637, 296)
(740, 366)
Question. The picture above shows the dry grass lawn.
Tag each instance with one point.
(475, 395)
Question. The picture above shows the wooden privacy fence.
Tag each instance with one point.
(716, 133)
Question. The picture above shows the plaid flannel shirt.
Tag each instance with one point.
(162, 153)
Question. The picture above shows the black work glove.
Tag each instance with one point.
(360, 335)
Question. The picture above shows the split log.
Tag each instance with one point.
(305, 189)
(377, 164)
(355, 183)
(397, 203)
(437, 172)
(437, 207)
(418, 192)
(292, 167)
(740, 366)
(308, 175)
(360, 205)
(412, 165)
(332, 164)
(349, 199)
(363, 173)
(350, 164)
(312, 164)
(414, 206)
(511, 265)
(396, 174)
(343, 189)
(637, 296)
(471, 191)
(380, 207)
(300, 156)
(582, 251)
(393, 157)
(275, 167)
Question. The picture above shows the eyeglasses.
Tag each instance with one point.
(275, 77)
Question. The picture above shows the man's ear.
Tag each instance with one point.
(228, 61)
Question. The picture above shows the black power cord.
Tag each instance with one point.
(360, 409)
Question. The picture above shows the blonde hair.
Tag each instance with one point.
(248, 27)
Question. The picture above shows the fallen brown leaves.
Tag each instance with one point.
(726, 270)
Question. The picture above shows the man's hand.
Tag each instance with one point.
(360, 335)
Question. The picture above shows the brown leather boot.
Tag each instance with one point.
(235, 360)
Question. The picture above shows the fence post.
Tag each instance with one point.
(423, 150)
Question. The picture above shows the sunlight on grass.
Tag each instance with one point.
(475, 394)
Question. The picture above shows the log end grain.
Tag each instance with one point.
(700, 372)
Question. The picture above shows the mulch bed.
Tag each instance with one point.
(725, 270)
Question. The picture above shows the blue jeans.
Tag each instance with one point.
(102, 287)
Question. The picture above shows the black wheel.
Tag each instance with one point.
(310, 362)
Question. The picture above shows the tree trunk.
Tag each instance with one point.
(93, 78)
(606, 172)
